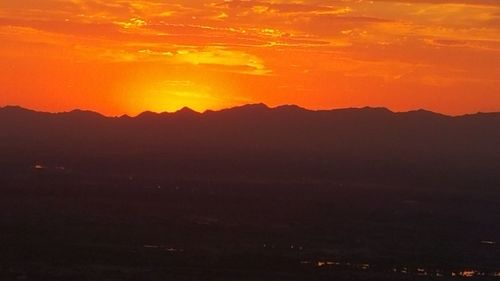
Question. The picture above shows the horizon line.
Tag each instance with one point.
(264, 105)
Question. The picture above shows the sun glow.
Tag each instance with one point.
(128, 56)
(170, 101)
(172, 95)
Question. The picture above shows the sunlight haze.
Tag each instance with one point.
(118, 57)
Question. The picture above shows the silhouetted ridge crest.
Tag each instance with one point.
(249, 108)
(258, 108)
(82, 114)
(290, 108)
(186, 112)
(363, 110)
(147, 115)
(423, 113)
(15, 108)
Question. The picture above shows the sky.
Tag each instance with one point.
(127, 56)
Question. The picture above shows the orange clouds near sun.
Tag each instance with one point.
(129, 56)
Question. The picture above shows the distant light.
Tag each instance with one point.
(421, 271)
(468, 273)
(365, 266)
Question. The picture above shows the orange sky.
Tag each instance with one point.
(127, 56)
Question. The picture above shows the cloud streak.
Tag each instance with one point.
(360, 50)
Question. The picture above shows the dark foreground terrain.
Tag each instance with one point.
(249, 194)
(60, 228)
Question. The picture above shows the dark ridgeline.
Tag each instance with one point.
(249, 193)
(256, 141)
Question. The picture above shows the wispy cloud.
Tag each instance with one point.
(325, 45)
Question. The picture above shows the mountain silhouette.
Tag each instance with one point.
(247, 193)
(365, 144)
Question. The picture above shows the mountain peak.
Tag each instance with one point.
(290, 107)
(376, 109)
(14, 108)
(423, 113)
(83, 113)
(252, 107)
(186, 110)
(147, 114)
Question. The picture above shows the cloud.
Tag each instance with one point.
(241, 61)
(322, 42)
(471, 2)
(266, 7)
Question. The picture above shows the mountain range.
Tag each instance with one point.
(286, 142)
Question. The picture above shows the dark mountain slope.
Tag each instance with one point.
(367, 144)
